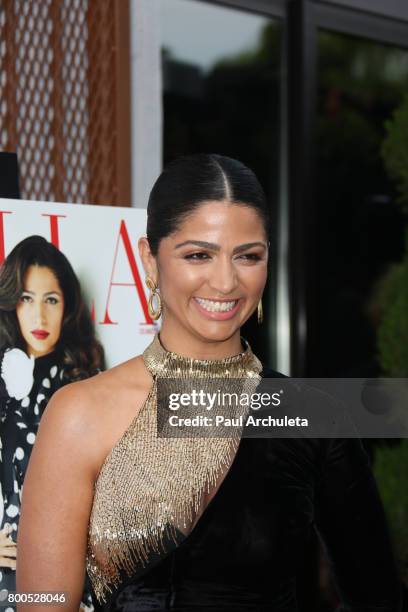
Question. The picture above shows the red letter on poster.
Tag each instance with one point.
(123, 234)
(2, 246)
(54, 228)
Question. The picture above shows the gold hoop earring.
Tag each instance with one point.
(260, 312)
(153, 312)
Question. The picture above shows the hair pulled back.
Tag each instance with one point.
(189, 181)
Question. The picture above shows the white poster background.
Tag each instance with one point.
(94, 239)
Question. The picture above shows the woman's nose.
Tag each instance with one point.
(39, 314)
(224, 278)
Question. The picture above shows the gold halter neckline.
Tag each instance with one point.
(168, 364)
(151, 490)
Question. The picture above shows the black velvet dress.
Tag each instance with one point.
(243, 553)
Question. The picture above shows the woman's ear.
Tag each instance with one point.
(148, 259)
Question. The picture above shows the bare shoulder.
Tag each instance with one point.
(94, 413)
(97, 395)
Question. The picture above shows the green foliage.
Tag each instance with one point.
(393, 329)
(395, 151)
(392, 333)
(390, 469)
(391, 464)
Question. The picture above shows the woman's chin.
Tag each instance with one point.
(216, 331)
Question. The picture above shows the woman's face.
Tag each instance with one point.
(212, 270)
(40, 310)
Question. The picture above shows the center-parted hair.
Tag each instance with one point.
(189, 181)
(82, 354)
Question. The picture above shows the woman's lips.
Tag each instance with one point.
(40, 334)
(218, 315)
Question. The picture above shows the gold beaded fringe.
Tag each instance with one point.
(149, 491)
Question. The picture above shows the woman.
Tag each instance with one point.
(195, 523)
(47, 339)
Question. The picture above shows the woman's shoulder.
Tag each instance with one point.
(123, 378)
(97, 410)
(300, 400)
(106, 392)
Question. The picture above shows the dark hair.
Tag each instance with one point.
(82, 354)
(189, 181)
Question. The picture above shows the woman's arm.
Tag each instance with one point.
(57, 500)
(351, 521)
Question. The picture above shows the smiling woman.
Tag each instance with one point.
(204, 283)
(210, 217)
(46, 340)
(195, 523)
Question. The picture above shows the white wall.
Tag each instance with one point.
(146, 114)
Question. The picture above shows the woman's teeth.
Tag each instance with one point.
(212, 306)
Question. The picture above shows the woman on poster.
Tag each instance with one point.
(47, 340)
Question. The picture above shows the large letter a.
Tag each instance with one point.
(123, 234)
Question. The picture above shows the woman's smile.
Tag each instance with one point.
(219, 310)
(211, 273)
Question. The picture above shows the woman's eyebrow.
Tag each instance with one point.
(216, 247)
(200, 243)
(248, 245)
(46, 293)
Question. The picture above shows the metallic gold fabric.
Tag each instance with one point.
(150, 491)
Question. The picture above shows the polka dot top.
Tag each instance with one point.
(19, 421)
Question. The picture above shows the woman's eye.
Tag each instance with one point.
(197, 256)
(52, 300)
(201, 256)
(26, 298)
(251, 256)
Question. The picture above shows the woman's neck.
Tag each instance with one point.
(195, 347)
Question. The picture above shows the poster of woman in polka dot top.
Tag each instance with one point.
(47, 339)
